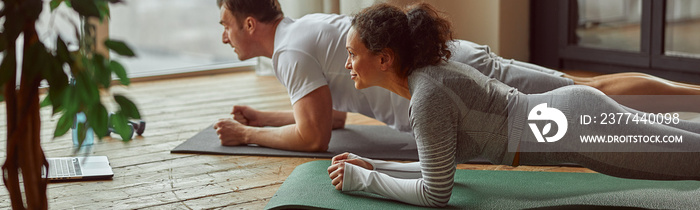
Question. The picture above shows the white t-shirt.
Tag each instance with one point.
(310, 53)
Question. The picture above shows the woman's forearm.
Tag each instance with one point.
(395, 169)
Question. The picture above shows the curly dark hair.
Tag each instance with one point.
(262, 10)
(418, 34)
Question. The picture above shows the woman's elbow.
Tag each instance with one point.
(438, 204)
(439, 200)
(442, 204)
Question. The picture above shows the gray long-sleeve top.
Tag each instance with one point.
(457, 114)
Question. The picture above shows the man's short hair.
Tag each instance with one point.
(262, 10)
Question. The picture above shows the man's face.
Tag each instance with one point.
(235, 34)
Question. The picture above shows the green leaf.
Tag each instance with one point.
(87, 90)
(98, 119)
(82, 133)
(62, 52)
(119, 47)
(46, 102)
(58, 82)
(45, 64)
(103, 74)
(86, 8)
(64, 124)
(69, 100)
(121, 126)
(103, 7)
(39, 64)
(119, 70)
(55, 99)
(127, 107)
(54, 4)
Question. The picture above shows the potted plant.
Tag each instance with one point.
(91, 71)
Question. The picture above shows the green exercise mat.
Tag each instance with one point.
(309, 187)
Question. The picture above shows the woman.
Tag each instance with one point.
(458, 114)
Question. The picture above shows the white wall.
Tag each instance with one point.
(350, 7)
(299, 8)
(514, 29)
(502, 24)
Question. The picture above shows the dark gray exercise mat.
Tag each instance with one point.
(371, 141)
(308, 187)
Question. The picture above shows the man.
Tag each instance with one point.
(308, 57)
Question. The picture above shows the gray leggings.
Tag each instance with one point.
(527, 78)
(655, 161)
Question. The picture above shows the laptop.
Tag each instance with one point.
(78, 168)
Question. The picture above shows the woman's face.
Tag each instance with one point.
(364, 65)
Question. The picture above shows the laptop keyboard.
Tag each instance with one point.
(64, 167)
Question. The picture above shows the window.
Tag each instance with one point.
(172, 36)
(682, 29)
(606, 24)
(658, 37)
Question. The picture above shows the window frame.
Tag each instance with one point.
(652, 46)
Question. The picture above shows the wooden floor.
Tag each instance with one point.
(147, 176)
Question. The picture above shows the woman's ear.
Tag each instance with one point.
(388, 57)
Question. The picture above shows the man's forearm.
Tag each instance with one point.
(282, 118)
(311, 131)
(277, 118)
(286, 138)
